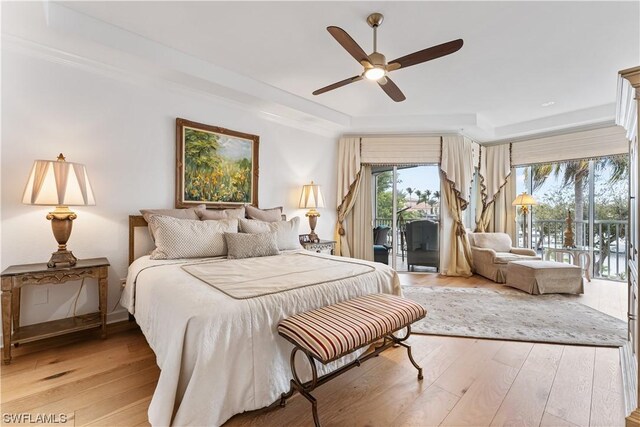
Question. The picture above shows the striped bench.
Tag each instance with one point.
(331, 332)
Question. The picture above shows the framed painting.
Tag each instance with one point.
(215, 166)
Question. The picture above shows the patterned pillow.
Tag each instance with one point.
(189, 213)
(188, 238)
(268, 215)
(205, 213)
(286, 231)
(245, 245)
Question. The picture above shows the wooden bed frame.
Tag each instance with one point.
(134, 222)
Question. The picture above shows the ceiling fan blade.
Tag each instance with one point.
(337, 85)
(428, 54)
(392, 90)
(348, 44)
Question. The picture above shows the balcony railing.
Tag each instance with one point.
(607, 244)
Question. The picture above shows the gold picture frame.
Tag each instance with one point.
(215, 166)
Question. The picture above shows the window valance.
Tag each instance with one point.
(578, 145)
(400, 150)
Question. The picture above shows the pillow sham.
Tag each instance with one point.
(188, 213)
(188, 238)
(246, 245)
(268, 215)
(205, 214)
(286, 231)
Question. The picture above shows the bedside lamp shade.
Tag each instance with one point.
(311, 198)
(61, 184)
(58, 183)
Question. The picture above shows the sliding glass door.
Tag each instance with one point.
(406, 216)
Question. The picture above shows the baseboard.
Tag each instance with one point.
(629, 378)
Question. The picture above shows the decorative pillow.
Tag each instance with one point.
(204, 213)
(268, 215)
(286, 231)
(499, 242)
(245, 245)
(189, 213)
(188, 238)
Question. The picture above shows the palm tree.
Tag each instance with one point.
(410, 192)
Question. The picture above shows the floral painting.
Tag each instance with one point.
(215, 166)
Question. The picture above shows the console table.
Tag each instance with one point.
(17, 276)
(578, 256)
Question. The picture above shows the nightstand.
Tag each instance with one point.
(17, 276)
(321, 247)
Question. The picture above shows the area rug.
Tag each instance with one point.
(512, 315)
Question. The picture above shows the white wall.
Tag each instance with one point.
(123, 130)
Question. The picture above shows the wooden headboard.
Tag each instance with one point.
(134, 222)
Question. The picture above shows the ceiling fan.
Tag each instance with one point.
(375, 65)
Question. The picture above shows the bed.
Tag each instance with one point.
(213, 331)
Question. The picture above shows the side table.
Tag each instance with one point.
(17, 276)
(321, 247)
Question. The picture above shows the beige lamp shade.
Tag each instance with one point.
(524, 199)
(311, 197)
(58, 183)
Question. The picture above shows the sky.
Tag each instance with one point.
(419, 178)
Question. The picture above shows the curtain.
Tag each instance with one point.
(457, 168)
(349, 178)
(494, 171)
(587, 144)
(360, 219)
(504, 215)
(400, 150)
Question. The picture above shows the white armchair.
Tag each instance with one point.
(492, 252)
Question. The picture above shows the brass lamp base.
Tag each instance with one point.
(313, 221)
(61, 223)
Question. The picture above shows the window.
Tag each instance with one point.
(594, 193)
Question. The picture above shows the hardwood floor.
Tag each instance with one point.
(466, 381)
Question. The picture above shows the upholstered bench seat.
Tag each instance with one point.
(545, 277)
(331, 332)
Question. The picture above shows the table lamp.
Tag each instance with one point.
(524, 200)
(311, 198)
(61, 184)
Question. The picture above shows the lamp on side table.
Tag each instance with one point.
(62, 184)
(311, 198)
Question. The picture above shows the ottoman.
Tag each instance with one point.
(545, 277)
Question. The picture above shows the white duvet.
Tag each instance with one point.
(220, 356)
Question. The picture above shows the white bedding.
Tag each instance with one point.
(220, 356)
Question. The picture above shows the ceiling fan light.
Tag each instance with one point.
(375, 73)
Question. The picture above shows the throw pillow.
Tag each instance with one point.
(205, 213)
(188, 213)
(268, 215)
(188, 238)
(286, 231)
(244, 245)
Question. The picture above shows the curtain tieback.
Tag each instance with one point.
(341, 231)
(461, 231)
